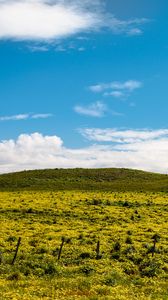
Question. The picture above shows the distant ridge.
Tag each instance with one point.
(111, 179)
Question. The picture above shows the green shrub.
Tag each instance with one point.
(117, 246)
(129, 250)
(50, 269)
(115, 255)
(14, 276)
(42, 250)
(128, 240)
(130, 268)
(150, 267)
(85, 255)
(110, 281)
(87, 270)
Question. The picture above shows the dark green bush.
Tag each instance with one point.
(14, 276)
(117, 246)
(50, 269)
(128, 240)
(115, 255)
(87, 270)
(85, 255)
(150, 267)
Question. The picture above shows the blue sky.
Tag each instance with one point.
(85, 86)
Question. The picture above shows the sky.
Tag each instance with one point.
(83, 84)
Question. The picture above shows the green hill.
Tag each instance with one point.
(84, 179)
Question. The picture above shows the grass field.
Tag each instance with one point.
(84, 179)
(107, 222)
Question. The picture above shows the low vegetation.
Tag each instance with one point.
(85, 234)
(84, 179)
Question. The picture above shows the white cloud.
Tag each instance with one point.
(70, 47)
(20, 117)
(144, 149)
(116, 86)
(98, 88)
(41, 116)
(44, 20)
(38, 48)
(115, 94)
(129, 27)
(129, 85)
(15, 117)
(38, 20)
(123, 136)
(96, 109)
(116, 89)
(135, 31)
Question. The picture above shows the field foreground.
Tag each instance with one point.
(114, 245)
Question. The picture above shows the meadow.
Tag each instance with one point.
(103, 237)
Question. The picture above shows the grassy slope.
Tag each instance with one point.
(111, 205)
(41, 218)
(84, 179)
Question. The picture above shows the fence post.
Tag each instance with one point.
(154, 248)
(155, 239)
(16, 251)
(60, 249)
(98, 255)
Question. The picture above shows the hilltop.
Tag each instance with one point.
(111, 179)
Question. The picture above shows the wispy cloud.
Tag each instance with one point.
(21, 117)
(41, 116)
(38, 48)
(135, 31)
(14, 117)
(130, 27)
(70, 47)
(138, 149)
(123, 136)
(115, 94)
(116, 89)
(96, 109)
(42, 20)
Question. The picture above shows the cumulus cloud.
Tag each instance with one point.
(145, 149)
(21, 117)
(44, 20)
(96, 109)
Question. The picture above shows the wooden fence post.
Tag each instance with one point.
(60, 249)
(16, 251)
(98, 255)
(154, 248)
(155, 239)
